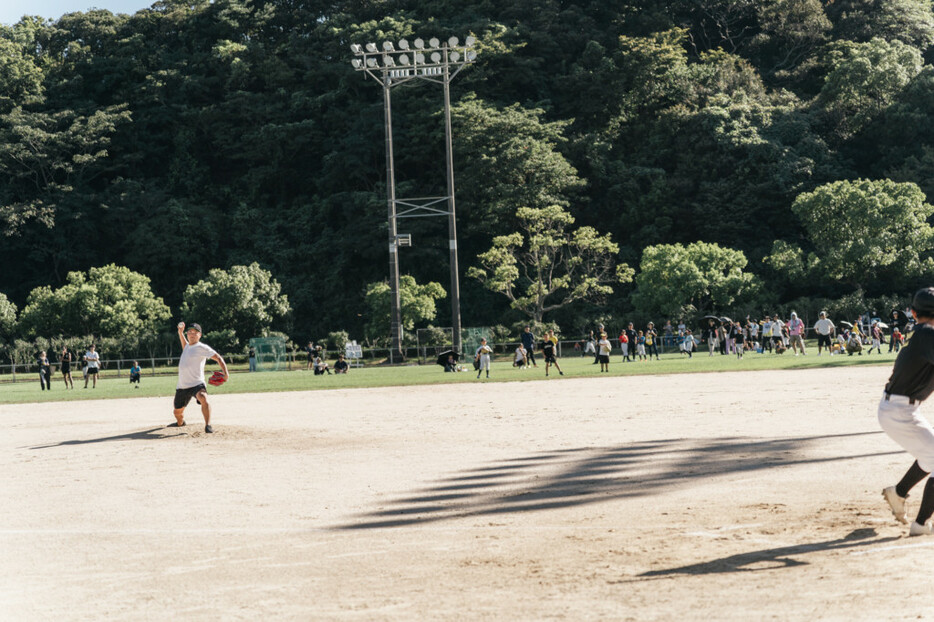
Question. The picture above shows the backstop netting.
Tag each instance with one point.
(271, 353)
(470, 339)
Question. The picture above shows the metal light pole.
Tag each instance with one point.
(391, 67)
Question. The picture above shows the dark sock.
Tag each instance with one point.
(927, 503)
(914, 475)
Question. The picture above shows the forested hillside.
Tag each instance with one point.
(794, 138)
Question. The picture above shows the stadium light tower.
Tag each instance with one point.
(392, 64)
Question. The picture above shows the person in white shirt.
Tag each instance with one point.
(191, 382)
(604, 354)
(482, 357)
(824, 329)
(522, 359)
(93, 360)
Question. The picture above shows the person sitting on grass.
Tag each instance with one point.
(321, 367)
(135, 373)
(340, 365)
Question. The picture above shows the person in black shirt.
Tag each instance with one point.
(528, 341)
(64, 361)
(548, 350)
(45, 371)
(910, 384)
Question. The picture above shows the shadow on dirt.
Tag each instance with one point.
(145, 435)
(771, 559)
(574, 477)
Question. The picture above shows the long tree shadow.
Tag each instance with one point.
(145, 435)
(579, 476)
(770, 559)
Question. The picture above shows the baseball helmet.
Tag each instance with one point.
(923, 302)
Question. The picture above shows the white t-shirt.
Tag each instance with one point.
(605, 346)
(520, 354)
(191, 365)
(824, 326)
(92, 359)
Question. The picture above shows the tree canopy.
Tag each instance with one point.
(200, 135)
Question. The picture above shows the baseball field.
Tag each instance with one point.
(749, 495)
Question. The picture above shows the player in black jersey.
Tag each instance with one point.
(910, 384)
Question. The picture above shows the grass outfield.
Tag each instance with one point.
(502, 371)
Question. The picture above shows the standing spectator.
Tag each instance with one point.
(876, 331)
(640, 346)
(550, 351)
(528, 340)
(825, 330)
(605, 347)
(753, 328)
(45, 371)
(599, 332)
(651, 341)
(897, 324)
(482, 356)
(93, 360)
(631, 333)
(669, 338)
(710, 334)
(739, 339)
(591, 345)
(687, 342)
(64, 361)
(767, 334)
(135, 373)
(796, 334)
(252, 358)
(624, 344)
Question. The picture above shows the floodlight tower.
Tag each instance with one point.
(438, 62)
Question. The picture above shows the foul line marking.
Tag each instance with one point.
(895, 547)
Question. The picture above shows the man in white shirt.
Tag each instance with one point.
(522, 359)
(191, 382)
(93, 360)
(824, 329)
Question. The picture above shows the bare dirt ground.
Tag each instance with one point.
(732, 496)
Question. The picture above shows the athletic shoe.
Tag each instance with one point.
(917, 529)
(208, 429)
(177, 424)
(899, 505)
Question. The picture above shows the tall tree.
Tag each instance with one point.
(546, 266)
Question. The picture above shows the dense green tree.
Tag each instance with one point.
(864, 79)
(417, 305)
(546, 266)
(108, 301)
(686, 281)
(246, 300)
(7, 318)
(862, 232)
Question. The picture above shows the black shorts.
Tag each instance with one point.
(92, 371)
(550, 358)
(183, 396)
(823, 340)
(66, 368)
(604, 358)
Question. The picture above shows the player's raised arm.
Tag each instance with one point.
(181, 334)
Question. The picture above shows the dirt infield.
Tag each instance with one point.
(730, 496)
